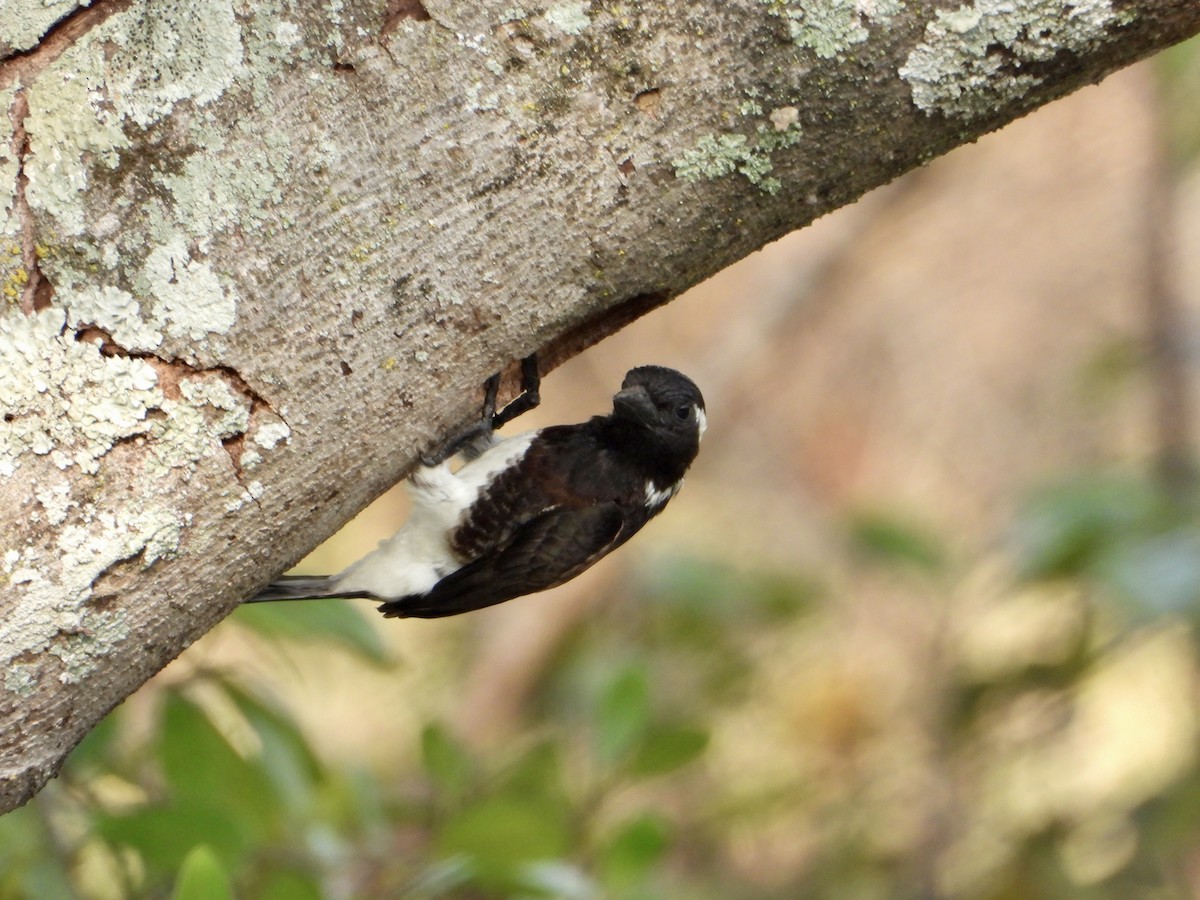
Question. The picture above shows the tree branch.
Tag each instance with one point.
(280, 254)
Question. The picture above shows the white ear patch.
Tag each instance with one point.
(701, 422)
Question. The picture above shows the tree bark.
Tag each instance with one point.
(257, 258)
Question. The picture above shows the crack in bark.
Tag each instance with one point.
(235, 446)
(171, 372)
(114, 579)
(239, 384)
(25, 65)
(37, 290)
(177, 368)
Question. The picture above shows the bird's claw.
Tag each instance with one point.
(473, 439)
(529, 398)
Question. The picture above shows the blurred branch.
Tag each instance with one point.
(1166, 321)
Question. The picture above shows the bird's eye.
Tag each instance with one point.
(683, 411)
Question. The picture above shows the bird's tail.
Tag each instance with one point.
(300, 587)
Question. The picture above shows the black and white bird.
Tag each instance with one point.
(528, 512)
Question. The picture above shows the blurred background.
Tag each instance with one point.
(921, 624)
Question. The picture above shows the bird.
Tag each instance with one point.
(525, 513)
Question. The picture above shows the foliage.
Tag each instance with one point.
(1124, 536)
(224, 795)
(620, 783)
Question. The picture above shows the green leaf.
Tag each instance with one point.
(333, 621)
(195, 756)
(889, 540)
(164, 835)
(30, 862)
(356, 800)
(202, 877)
(537, 773)
(200, 765)
(446, 761)
(1065, 528)
(634, 849)
(442, 878)
(288, 885)
(287, 759)
(45, 878)
(623, 714)
(668, 747)
(503, 831)
(782, 596)
(704, 596)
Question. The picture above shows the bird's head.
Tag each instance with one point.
(665, 407)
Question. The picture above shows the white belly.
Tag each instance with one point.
(418, 556)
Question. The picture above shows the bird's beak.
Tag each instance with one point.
(635, 403)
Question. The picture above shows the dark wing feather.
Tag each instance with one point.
(545, 551)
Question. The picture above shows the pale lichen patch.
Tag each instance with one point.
(66, 398)
(131, 70)
(55, 498)
(569, 18)
(19, 679)
(190, 300)
(81, 636)
(216, 189)
(114, 310)
(216, 392)
(83, 649)
(172, 51)
(718, 155)
(25, 26)
(9, 166)
(286, 35)
(71, 127)
(207, 412)
(270, 434)
(88, 549)
(970, 61)
(831, 27)
(62, 395)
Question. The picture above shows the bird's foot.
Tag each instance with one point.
(529, 398)
(477, 437)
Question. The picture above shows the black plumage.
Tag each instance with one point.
(535, 510)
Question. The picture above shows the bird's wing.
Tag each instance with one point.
(543, 552)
